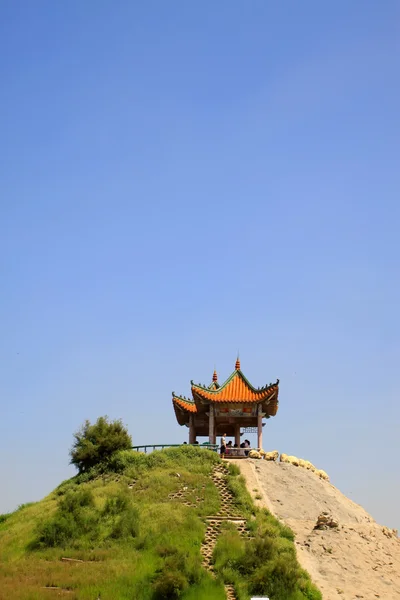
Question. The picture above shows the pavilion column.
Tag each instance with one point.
(192, 432)
(211, 427)
(259, 426)
(237, 434)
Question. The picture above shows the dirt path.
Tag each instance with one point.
(359, 559)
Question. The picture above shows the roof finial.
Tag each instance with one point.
(215, 376)
(237, 365)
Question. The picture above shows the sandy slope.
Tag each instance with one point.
(358, 560)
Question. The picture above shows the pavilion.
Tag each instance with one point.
(235, 407)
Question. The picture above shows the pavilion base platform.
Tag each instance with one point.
(229, 456)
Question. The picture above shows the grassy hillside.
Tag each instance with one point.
(129, 540)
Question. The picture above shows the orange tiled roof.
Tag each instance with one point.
(187, 405)
(235, 389)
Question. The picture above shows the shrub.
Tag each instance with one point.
(96, 443)
(277, 578)
(75, 500)
(169, 585)
(126, 525)
(4, 517)
(57, 532)
(78, 523)
(229, 549)
(123, 459)
(116, 505)
(75, 518)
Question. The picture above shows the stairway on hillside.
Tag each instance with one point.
(227, 513)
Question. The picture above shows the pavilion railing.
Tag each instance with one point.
(149, 447)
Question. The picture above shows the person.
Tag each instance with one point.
(235, 446)
(223, 446)
(246, 445)
(228, 447)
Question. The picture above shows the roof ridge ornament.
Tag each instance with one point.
(215, 376)
(237, 364)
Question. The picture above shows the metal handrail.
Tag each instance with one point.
(213, 447)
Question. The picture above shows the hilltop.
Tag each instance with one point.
(356, 559)
(177, 523)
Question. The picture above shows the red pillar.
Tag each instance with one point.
(211, 427)
(259, 426)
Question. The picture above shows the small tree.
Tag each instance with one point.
(96, 443)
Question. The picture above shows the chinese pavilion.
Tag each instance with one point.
(217, 409)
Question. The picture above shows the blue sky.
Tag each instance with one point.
(180, 181)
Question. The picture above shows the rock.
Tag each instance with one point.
(326, 521)
(292, 460)
(322, 474)
(390, 533)
(254, 454)
(309, 466)
(272, 455)
(305, 464)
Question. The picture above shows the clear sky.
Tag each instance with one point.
(183, 180)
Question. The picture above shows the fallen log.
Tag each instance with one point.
(64, 558)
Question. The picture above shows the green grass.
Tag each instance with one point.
(136, 543)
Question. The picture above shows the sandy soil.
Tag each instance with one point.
(360, 559)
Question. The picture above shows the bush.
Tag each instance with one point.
(75, 518)
(115, 505)
(169, 585)
(58, 532)
(73, 501)
(277, 578)
(4, 517)
(78, 523)
(96, 443)
(126, 525)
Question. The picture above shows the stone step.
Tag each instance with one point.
(230, 592)
(231, 518)
(227, 514)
